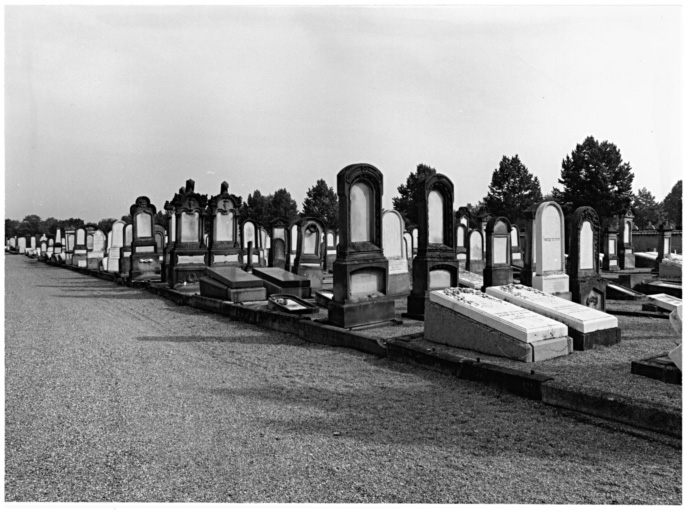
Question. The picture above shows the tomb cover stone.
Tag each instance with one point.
(519, 323)
(469, 279)
(234, 277)
(664, 301)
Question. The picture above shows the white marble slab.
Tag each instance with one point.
(519, 323)
(578, 317)
(664, 301)
(470, 279)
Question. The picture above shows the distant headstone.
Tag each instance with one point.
(663, 243)
(97, 251)
(394, 249)
(610, 261)
(80, 256)
(115, 249)
(223, 246)
(249, 232)
(435, 264)
(415, 238)
(626, 255)
(550, 261)
(360, 271)
(330, 250)
(277, 280)
(308, 258)
(475, 255)
(279, 243)
(292, 246)
(529, 248)
(516, 254)
(125, 254)
(587, 286)
(22, 245)
(145, 264)
(498, 270)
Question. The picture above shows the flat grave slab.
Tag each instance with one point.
(277, 280)
(291, 305)
(663, 301)
(620, 292)
(467, 318)
(234, 277)
(470, 279)
(660, 367)
(217, 290)
(587, 326)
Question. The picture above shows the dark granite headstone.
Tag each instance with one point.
(223, 244)
(498, 270)
(626, 255)
(586, 285)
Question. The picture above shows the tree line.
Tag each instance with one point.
(321, 201)
(594, 174)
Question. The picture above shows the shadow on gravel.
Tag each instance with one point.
(241, 339)
(129, 296)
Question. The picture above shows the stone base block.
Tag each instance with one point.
(632, 279)
(145, 268)
(660, 368)
(93, 263)
(448, 327)
(361, 313)
(554, 284)
(416, 307)
(399, 284)
(590, 340)
(590, 291)
(497, 276)
(626, 261)
(314, 274)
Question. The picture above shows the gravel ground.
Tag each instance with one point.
(114, 394)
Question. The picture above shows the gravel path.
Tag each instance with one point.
(114, 394)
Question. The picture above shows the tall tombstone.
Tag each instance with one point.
(224, 249)
(498, 270)
(550, 261)
(70, 242)
(309, 259)
(125, 258)
(32, 245)
(43, 245)
(395, 250)
(409, 250)
(330, 250)
(516, 255)
(664, 246)
(145, 264)
(475, 252)
(529, 247)
(249, 234)
(115, 248)
(415, 238)
(292, 246)
(21, 245)
(626, 255)
(360, 270)
(435, 266)
(171, 239)
(264, 244)
(610, 261)
(588, 288)
(80, 257)
(97, 251)
(160, 241)
(188, 257)
(51, 247)
(279, 243)
(59, 246)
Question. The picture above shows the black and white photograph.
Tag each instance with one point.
(275, 255)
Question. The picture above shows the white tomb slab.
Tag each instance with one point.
(576, 316)
(664, 301)
(519, 323)
(470, 279)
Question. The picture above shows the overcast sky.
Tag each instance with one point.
(103, 104)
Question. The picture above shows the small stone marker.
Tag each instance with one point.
(144, 259)
(516, 254)
(588, 327)
(471, 319)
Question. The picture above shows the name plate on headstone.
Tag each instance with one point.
(198, 259)
(500, 248)
(397, 266)
(145, 248)
(581, 318)
(510, 319)
(82, 263)
(114, 253)
(225, 258)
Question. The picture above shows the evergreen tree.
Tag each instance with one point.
(106, 225)
(512, 189)
(322, 202)
(255, 208)
(407, 202)
(281, 204)
(595, 175)
(673, 205)
(646, 209)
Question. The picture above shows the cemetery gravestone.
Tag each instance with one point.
(114, 255)
(394, 250)
(475, 252)
(415, 239)
(664, 243)
(249, 233)
(145, 264)
(587, 327)
(626, 255)
(80, 257)
(97, 252)
(360, 271)
(516, 256)
(461, 251)
(22, 245)
(125, 258)
(69, 245)
(550, 262)
(498, 269)
(409, 250)
(171, 239)
(435, 264)
(188, 257)
(308, 260)
(292, 246)
(277, 281)
(473, 320)
(610, 261)
(587, 286)
(279, 243)
(224, 249)
(330, 250)
(160, 237)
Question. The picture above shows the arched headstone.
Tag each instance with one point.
(394, 249)
(586, 285)
(550, 267)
